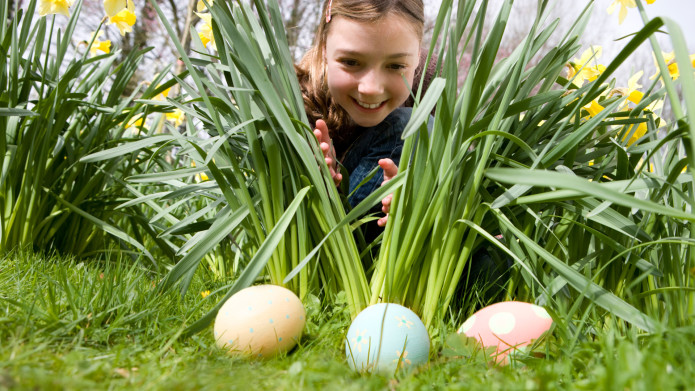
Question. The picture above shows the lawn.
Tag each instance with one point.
(144, 210)
(68, 324)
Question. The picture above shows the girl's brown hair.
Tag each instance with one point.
(311, 70)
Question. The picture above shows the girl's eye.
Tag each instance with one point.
(349, 62)
(397, 67)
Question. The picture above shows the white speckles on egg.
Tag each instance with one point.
(502, 323)
(261, 321)
(467, 324)
(541, 312)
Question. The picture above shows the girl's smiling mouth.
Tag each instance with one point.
(369, 106)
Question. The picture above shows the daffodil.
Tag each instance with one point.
(121, 13)
(201, 5)
(586, 67)
(163, 95)
(97, 45)
(593, 108)
(205, 33)
(136, 124)
(637, 132)
(177, 116)
(671, 64)
(624, 5)
(47, 7)
(633, 94)
(200, 177)
(632, 91)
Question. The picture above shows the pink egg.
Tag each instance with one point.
(508, 325)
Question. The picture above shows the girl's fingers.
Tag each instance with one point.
(325, 148)
(389, 167)
(322, 128)
(390, 171)
(386, 203)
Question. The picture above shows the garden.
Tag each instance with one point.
(141, 221)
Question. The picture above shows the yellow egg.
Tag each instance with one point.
(260, 321)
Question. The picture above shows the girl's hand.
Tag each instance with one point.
(326, 145)
(390, 171)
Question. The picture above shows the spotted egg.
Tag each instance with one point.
(385, 337)
(509, 325)
(260, 321)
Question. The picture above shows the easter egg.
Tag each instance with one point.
(509, 325)
(385, 337)
(261, 321)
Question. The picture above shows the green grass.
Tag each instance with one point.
(64, 326)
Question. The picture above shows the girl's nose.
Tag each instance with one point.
(371, 83)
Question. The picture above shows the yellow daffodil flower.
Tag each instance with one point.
(637, 133)
(136, 124)
(201, 5)
(205, 32)
(121, 13)
(624, 5)
(113, 7)
(633, 94)
(163, 95)
(632, 91)
(97, 45)
(47, 7)
(593, 108)
(177, 116)
(671, 64)
(583, 69)
(201, 177)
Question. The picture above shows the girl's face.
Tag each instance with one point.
(365, 65)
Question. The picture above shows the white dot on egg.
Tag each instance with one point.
(540, 312)
(467, 324)
(502, 323)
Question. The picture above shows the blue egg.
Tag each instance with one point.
(385, 337)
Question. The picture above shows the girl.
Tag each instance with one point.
(354, 89)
